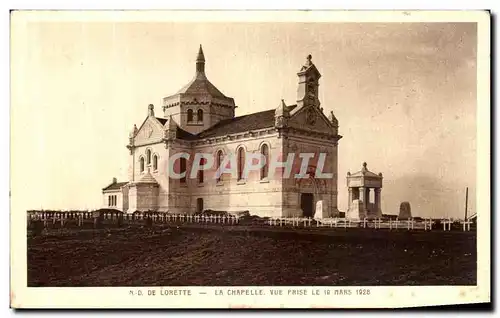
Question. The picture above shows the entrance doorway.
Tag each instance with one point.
(307, 204)
(199, 205)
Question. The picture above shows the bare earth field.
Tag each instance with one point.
(246, 256)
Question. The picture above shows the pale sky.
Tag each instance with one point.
(404, 95)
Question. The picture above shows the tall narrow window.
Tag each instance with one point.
(264, 171)
(155, 162)
(219, 163)
(112, 200)
(241, 162)
(141, 164)
(148, 156)
(190, 115)
(200, 115)
(201, 173)
(183, 169)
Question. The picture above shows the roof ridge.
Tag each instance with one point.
(115, 185)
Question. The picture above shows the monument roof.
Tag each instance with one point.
(364, 172)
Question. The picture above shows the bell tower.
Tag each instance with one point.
(199, 104)
(307, 92)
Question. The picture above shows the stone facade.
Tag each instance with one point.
(200, 119)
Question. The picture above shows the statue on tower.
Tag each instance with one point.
(151, 110)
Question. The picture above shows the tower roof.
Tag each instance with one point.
(200, 85)
(201, 56)
(309, 67)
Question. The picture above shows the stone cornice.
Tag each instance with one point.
(316, 134)
(160, 141)
(237, 136)
(281, 133)
(196, 103)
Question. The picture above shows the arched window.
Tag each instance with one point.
(220, 156)
(183, 169)
(241, 162)
(200, 115)
(201, 173)
(148, 156)
(155, 162)
(141, 164)
(264, 171)
(190, 115)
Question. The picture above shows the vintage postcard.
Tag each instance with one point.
(250, 159)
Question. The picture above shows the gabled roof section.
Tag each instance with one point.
(238, 124)
(297, 111)
(181, 134)
(185, 135)
(255, 121)
(115, 186)
(161, 120)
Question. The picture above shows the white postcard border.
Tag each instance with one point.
(380, 297)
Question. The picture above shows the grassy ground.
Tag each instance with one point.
(212, 255)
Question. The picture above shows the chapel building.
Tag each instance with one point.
(199, 118)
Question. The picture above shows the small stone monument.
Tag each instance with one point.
(319, 210)
(404, 211)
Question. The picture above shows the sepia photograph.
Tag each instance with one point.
(249, 159)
